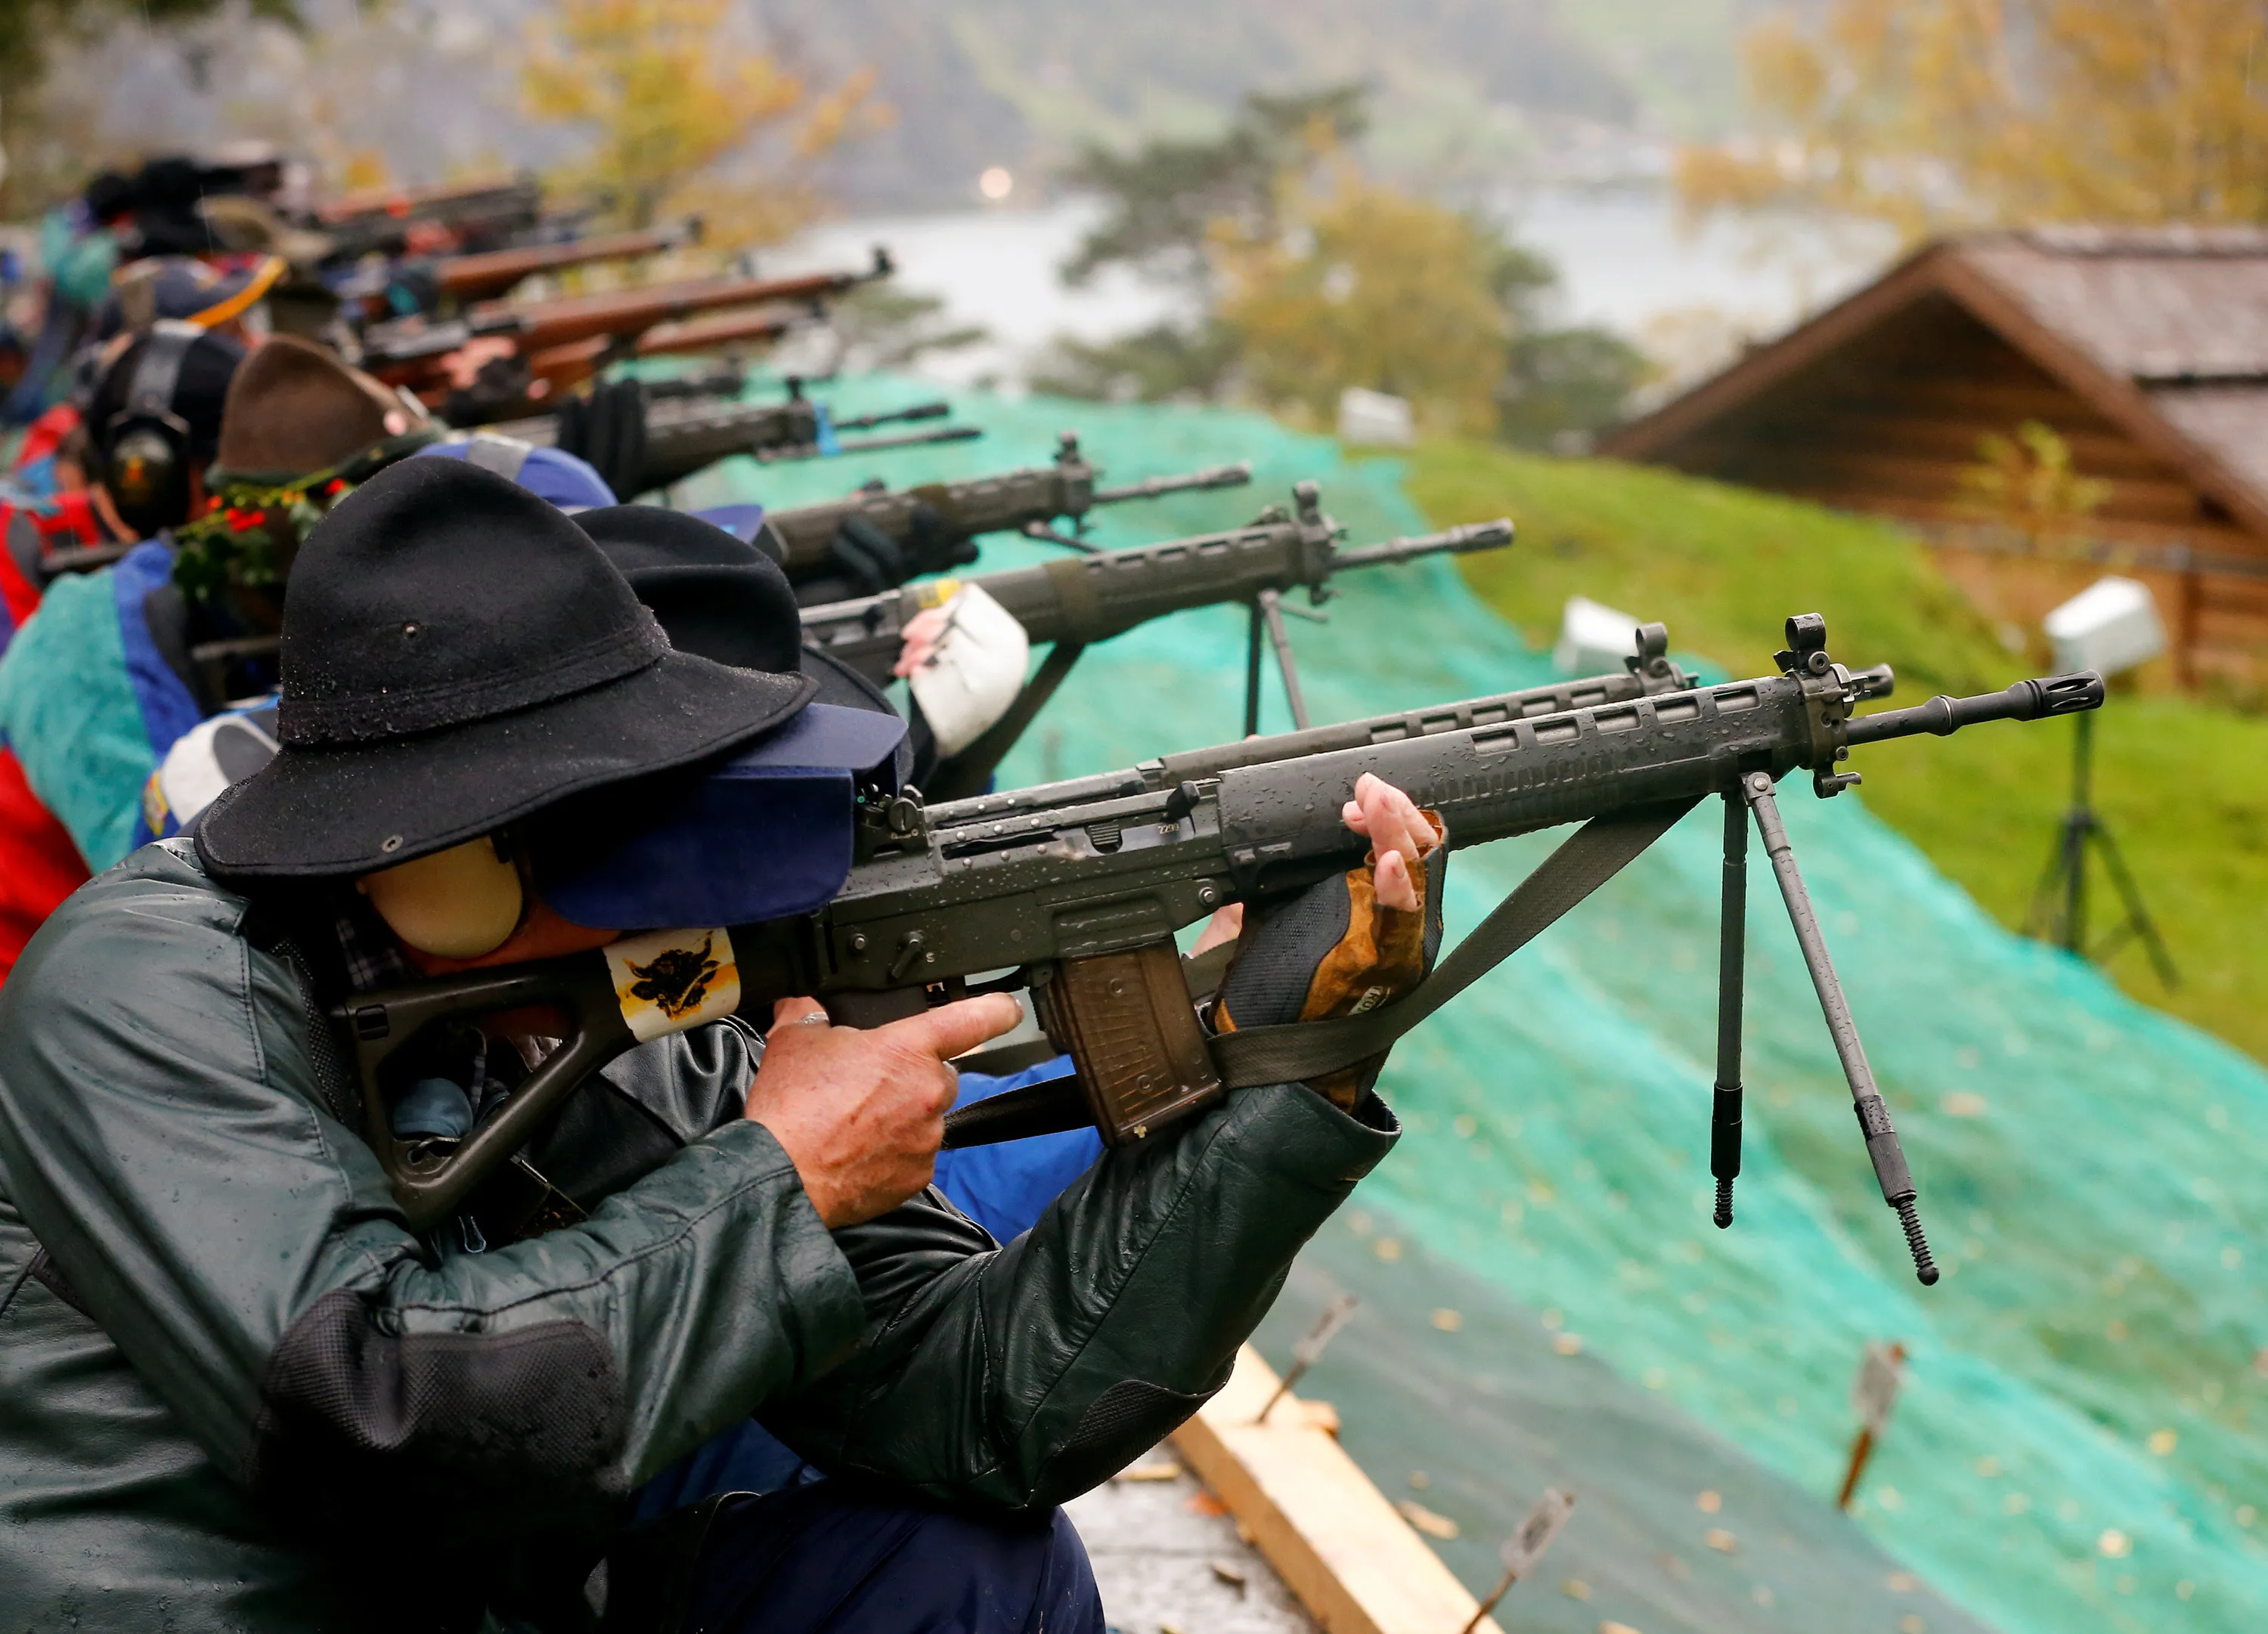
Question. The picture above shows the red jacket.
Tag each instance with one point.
(39, 864)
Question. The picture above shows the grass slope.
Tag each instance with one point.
(2184, 784)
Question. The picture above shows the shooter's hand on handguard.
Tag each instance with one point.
(608, 429)
(870, 561)
(965, 663)
(860, 1112)
(1348, 945)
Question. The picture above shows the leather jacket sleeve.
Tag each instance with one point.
(168, 1137)
(1021, 1376)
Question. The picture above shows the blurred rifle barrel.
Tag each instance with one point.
(490, 273)
(956, 512)
(685, 435)
(1213, 476)
(871, 445)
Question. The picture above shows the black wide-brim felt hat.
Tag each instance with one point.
(458, 655)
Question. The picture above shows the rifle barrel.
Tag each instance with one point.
(493, 272)
(413, 203)
(872, 445)
(2027, 700)
(720, 330)
(935, 410)
(1151, 488)
(1450, 541)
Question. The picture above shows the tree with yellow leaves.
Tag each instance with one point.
(2028, 484)
(1944, 113)
(1352, 283)
(670, 96)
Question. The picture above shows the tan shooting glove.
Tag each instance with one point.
(1333, 950)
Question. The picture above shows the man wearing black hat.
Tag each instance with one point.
(237, 1391)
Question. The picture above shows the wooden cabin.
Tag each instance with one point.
(2144, 349)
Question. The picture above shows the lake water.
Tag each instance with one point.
(1625, 262)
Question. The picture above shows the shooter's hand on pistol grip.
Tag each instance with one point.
(1347, 945)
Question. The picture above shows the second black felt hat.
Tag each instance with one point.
(719, 596)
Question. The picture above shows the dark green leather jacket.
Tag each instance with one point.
(236, 1394)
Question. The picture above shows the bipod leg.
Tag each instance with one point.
(1882, 1147)
(2138, 916)
(1732, 974)
(1253, 635)
(1272, 609)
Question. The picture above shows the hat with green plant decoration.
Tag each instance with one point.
(300, 431)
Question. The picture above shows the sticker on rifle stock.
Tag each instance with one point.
(667, 981)
(937, 593)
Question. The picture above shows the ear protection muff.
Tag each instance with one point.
(148, 464)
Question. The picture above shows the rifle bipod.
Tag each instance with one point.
(1732, 977)
(1756, 795)
(1268, 610)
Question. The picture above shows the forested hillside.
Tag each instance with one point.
(1470, 90)
(1470, 94)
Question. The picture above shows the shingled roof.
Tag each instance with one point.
(2163, 331)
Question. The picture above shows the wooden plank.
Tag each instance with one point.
(1330, 1534)
(2202, 536)
(1986, 405)
(1949, 443)
(1857, 469)
(1946, 436)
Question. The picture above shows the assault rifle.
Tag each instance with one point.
(688, 434)
(1074, 600)
(409, 351)
(1076, 890)
(939, 520)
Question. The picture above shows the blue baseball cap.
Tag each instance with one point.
(741, 521)
(552, 473)
(765, 835)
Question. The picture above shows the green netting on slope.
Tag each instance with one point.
(1475, 1416)
(2089, 1168)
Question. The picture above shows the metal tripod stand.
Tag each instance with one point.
(2059, 911)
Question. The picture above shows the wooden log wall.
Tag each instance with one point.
(1888, 424)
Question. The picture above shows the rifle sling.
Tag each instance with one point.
(1307, 1049)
